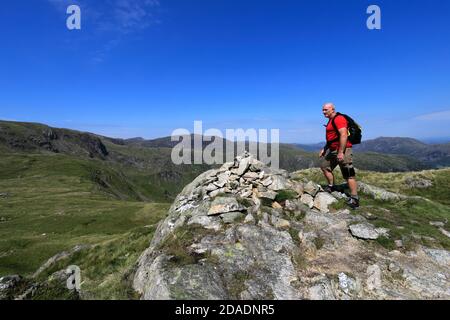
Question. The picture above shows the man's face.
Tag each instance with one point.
(327, 111)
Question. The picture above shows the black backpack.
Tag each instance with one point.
(354, 129)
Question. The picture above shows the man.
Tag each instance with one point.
(339, 153)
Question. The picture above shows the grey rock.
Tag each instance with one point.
(373, 281)
(444, 232)
(190, 282)
(281, 223)
(246, 193)
(59, 257)
(251, 176)
(249, 218)
(347, 284)
(244, 164)
(393, 267)
(215, 193)
(308, 200)
(297, 187)
(290, 205)
(277, 172)
(379, 193)
(226, 166)
(267, 182)
(223, 205)
(440, 256)
(321, 291)
(382, 232)
(323, 200)
(212, 187)
(231, 217)
(339, 195)
(264, 217)
(311, 188)
(268, 194)
(398, 243)
(418, 183)
(318, 220)
(256, 166)
(279, 183)
(437, 223)
(207, 222)
(8, 285)
(364, 231)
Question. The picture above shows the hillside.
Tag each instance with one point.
(436, 155)
(410, 151)
(152, 157)
(52, 210)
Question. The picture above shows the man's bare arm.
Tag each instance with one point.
(343, 137)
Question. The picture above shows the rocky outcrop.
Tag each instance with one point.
(379, 193)
(246, 231)
(38, 287)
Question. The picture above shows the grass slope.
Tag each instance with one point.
(51, 203)
(408, 220)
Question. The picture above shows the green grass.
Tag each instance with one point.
(106, 268)
(176, 244)
(54, 203)
(284, 195)
(408, 220)
(413, 216)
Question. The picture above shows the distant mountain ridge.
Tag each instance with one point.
(143, 169)
(434, 155)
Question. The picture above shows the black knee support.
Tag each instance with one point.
(348, 172)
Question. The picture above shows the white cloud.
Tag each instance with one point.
(112, 20)
(435, 116)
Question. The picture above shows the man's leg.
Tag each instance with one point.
(327, 165)
(353, 186)
(328, 175)
(349, 174)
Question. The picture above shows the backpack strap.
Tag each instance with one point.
(336, 129)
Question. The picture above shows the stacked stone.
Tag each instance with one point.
(250, 179)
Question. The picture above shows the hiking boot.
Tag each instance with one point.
(329, 189)
(353, 202)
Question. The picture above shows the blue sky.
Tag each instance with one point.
(147, 67)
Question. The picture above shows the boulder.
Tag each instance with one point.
(279, 183)
(323, 200)
(8, 285)
(308, 200)
(379, 193)
(364, 231)
(311, 188)
(268, 194)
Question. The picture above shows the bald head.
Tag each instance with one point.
(328, 110)
(329, 105)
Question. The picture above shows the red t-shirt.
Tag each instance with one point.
(340, 122)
